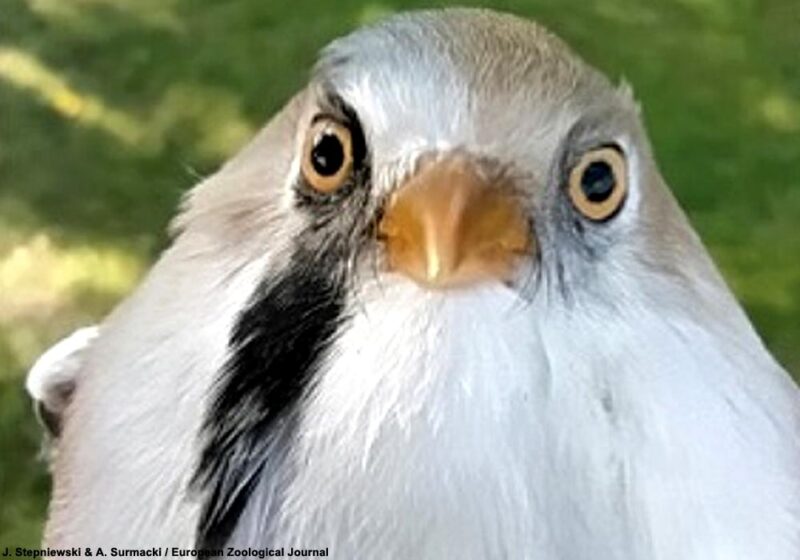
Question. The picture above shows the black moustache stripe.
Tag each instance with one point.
(277, 344)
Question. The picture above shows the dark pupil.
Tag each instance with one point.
(598, 181)
(327, 156)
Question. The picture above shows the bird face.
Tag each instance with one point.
(469, 162)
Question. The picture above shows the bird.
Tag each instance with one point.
(443, 305)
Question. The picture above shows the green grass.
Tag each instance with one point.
(110, 109)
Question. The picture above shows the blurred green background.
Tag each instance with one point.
(110, 109)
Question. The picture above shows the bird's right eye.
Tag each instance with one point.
(327, 155)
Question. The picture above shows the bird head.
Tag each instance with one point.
(458, 151)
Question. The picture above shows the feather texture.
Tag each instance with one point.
(612, 402)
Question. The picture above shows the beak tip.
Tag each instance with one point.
(433, 269)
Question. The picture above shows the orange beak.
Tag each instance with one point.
(448, 227)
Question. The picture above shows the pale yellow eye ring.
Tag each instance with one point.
(327, 159)
(599, 208)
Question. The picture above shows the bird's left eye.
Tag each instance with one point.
(327, 155)
(598, 183)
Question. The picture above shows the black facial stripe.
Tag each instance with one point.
(277, 345)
